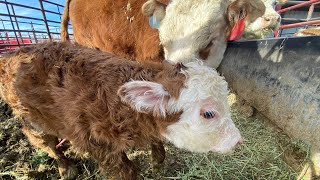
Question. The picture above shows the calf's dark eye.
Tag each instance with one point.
(209, 114)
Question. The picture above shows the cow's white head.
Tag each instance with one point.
(205, 122)
(267, 23)
(200, 29)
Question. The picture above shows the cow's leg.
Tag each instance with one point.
(122, 167)
(48, 144)
(158, 155)
(126, 168)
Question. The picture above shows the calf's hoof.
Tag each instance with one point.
(156, 167)
(158, 155)
(67, 170)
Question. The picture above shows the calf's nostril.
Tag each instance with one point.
(240, 142)
(279, 19)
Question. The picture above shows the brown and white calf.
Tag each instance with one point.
(104, 104)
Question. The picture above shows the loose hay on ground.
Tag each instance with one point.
(266, 154)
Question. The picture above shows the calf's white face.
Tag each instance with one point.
(205, 123)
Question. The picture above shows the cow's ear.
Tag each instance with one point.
(145, 96)
(154, 8)
(249, 10)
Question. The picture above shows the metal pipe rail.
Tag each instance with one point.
(298, 5)
(316, 22)
(292, 23)
(30, 7)
(38, 29)
(24, 22)
(293, 20)
(27, 17)
(52, 3)
(30, 31)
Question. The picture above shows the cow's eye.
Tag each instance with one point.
(209, 114)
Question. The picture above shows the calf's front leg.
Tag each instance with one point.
(48, 143)
(158, 155)
(115, 161)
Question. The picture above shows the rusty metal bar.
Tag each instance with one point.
(24, 22)
(14, 31)
(26, 17)
(310, 12)
(291, 3)
(17, 24)
(4, 27)
(45, 19)
(43, 32)
(52, 3)
(59, 12)
(316, 22)
(294, 20)
(34, 34)
(22, 36)
(30, 7)
(297, 6)
(20, 5)
(1, 38)
(6, 45)
(29, 36)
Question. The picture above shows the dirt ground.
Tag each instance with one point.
(266, 154)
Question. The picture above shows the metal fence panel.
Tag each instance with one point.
(29, 22)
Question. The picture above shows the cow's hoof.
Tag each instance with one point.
(155, 167)
(67, 170)
(158, 155)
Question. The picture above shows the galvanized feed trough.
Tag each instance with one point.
(281, 79)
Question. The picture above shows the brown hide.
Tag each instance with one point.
(113, 26)
(70, 92)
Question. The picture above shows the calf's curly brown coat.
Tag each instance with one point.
(66, 91)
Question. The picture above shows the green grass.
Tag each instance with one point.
(38, 158)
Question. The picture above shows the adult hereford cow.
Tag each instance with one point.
(104, 104)
(188, 29)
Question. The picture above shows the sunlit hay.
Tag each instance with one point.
(266, 154)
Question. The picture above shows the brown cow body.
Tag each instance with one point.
(104, 105)
(118, 27)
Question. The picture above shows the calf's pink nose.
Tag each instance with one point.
(239, 142)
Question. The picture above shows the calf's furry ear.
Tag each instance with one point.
(154, 8)
(250, 10)
(145, 97)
